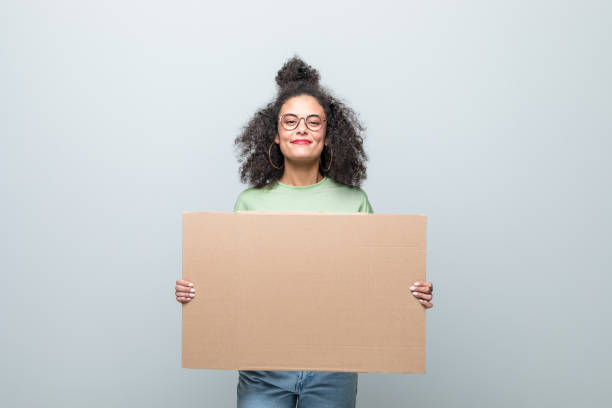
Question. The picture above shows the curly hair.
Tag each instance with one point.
(344, 132)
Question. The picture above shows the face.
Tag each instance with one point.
(302, 106)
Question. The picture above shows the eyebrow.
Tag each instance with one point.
(293, 113)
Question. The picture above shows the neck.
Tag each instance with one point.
(297, 174)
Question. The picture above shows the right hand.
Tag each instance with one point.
(184, 291)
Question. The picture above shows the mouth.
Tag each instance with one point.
(301, 141)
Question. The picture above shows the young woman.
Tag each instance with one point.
(304, 152)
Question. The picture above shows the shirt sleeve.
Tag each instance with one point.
(239, 204)
(365, 204)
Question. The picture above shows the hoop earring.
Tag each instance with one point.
(270, 158)
(331, 159)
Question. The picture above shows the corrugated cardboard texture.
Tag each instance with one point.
(304, 291)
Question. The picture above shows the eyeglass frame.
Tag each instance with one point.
(280, 119)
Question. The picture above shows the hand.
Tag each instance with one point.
(424, 292)
(184, 291)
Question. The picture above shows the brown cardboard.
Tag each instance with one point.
(304, 291)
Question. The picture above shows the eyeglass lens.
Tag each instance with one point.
(291, 121)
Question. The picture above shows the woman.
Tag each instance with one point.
(302, 152)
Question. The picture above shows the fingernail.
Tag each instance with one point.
(412, 288)
(192, 290)
(192, 294)
(191, 284)
(414, 293)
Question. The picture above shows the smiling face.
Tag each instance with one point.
(311, 145)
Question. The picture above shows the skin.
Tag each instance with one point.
(302, 169)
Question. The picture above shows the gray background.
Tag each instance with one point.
(493, 118)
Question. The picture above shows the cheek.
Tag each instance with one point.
(284, 135)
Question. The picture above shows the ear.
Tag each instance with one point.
(276, 139)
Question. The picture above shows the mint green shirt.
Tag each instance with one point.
(327, 195)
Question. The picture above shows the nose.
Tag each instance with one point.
(301, 128)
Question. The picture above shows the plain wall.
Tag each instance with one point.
(491, 117)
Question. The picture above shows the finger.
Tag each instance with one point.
(185, 289)
(423, 289)
(422, 295)
(185, 295)
(426, 287)
(183, 299)
(426, 304)
(184, 283)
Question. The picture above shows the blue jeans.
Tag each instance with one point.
(310, 389)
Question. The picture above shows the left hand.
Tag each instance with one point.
(423, 291)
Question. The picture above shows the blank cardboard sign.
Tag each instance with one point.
(304, 291)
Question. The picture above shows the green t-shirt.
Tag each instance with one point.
(327, 195)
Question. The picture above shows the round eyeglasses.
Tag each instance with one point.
(290, 121)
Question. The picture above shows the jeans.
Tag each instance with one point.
(310, 389)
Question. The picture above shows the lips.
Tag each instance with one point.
(301, 141)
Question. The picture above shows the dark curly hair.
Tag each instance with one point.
(344, 132)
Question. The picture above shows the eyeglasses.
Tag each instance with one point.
(290, 121)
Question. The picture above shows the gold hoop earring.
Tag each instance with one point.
(331, 159)
(270, 158)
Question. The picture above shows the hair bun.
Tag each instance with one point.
(296, 70)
